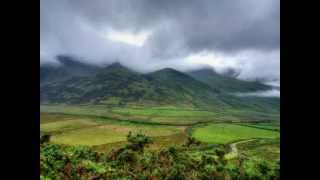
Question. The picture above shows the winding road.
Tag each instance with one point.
(234, 150)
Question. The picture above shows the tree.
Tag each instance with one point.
(192, 141)
(45, 138)
(264, 168)
(138, 142)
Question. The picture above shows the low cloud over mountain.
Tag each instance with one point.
(147, 35)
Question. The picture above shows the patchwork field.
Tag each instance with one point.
(268, 126)
(77, 130)
(104, 127)
(160, 115)
(252, 135)
(222, 133)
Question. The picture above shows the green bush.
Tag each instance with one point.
(138, 142)
(133, 162)
(45, 138)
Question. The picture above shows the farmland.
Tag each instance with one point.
(104, 129)
(221, 133)
(101, 127)
(160, 114)
(79, 130)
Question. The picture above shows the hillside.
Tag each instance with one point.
(66, 68)
(113, 81)
(181, 86)
(225, 83)
(117, 85)
(77, 83)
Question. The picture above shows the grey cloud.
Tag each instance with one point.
(179, 28)
(229, 25)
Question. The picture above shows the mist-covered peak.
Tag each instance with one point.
(226, 82)
(116, 65)
(169, 74)
(205, 71)
(168, 71)
(71, 61)
(65, 68)
(231, 72)
(116, 71)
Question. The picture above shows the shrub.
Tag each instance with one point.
(45, 138)
(191, 141)
(138, 141)
(132, 162)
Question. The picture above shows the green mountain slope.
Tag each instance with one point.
(113, 81)
(180, 86)
(68, 67)
(226, 83)
(116, 85)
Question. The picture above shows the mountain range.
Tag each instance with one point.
(74, 82)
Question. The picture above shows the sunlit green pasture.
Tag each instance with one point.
(79, 130)
(167, 114)
(158, 115)
(269, 126)
(222, 133)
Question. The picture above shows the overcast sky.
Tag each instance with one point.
(151, 34)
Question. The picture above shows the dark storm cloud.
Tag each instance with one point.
(203, 24)
(179, 28)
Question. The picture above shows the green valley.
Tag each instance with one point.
(98, 118)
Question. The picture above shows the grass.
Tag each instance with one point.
(222, 133)
(104, 127)
(53, 117)
(78, 130)
(76, 110)
(159, 142)
(109, 134)
(266, 149)
(163, 112)
(62, 126)
(166, 114)
(268, 126)
(159, 115)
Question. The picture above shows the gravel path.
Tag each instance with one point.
(234, 150)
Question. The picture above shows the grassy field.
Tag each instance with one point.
(222, 133)
(109, 133)
(156, 115)
(159, 142)
(163, 112)
(63, 126)
(54, 117)
(261, 150)
(266, 149)
(106, 127)
(275, 126)
(79, 130)
(159, 115)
